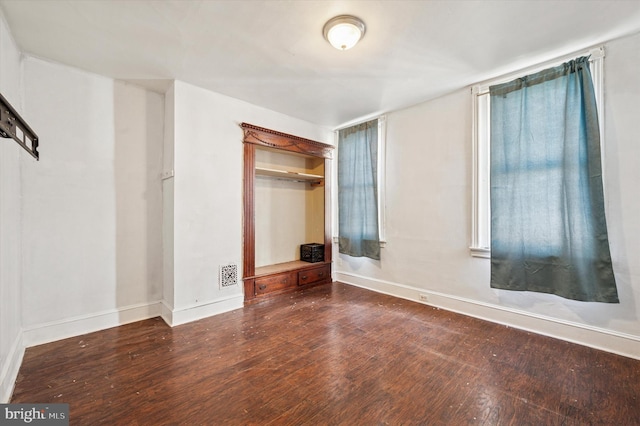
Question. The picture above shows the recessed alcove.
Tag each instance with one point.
(286, 204)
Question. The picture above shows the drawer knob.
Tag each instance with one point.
(304, 277)
(262, 286)
(321, 274)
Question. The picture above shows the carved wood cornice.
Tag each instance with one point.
(278, 140)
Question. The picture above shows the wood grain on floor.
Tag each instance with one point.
(335, 354)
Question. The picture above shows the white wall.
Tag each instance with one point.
(208, 198)
(429, 219)
(138, 160)
(91, 207)
(11, 349)
(168, 300)
(622, 168)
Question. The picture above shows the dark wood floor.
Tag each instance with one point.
(335, 354)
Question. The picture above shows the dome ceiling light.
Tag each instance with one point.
(344, 31)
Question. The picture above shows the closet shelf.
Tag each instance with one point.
(288, 175)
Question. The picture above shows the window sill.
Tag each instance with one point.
(484, 253)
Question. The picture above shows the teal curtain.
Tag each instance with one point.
(548, 228)
(358, 190)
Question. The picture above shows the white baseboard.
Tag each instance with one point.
(607, 340)
(183, 315)
(76, 326)
(56, 330)
(10, 368)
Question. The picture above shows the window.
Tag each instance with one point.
(481, 214)
(548, 225)
(361, 165)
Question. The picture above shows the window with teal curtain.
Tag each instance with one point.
(548, 228)
(358, 190)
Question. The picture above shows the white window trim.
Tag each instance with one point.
(382, 177)
(480, 230)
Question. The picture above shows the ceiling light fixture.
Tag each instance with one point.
(344, 31)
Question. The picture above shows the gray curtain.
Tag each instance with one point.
(548, 228)
(358, 190)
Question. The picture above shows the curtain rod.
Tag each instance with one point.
(482, 88)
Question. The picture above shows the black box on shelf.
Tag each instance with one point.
(312, 252)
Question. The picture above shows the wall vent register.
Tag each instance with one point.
(228, 275)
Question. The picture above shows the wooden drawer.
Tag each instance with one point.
(314, 275)
(274, 283)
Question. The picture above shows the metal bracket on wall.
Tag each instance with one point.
(14, 127)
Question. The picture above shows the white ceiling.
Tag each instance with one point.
(272, 53)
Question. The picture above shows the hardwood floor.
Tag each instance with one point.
(334, 354)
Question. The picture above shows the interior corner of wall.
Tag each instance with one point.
(10, 367)
(166, 313)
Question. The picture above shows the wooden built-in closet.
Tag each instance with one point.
(278, 163)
